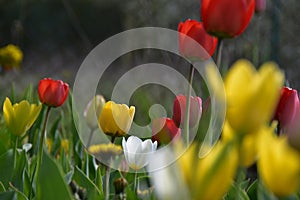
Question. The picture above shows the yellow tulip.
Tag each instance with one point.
(20, 116)
(247, 145)
(116, 119)
(252, 96)
(216, 171)
(10, 56)
(93, 110)
(278, 164)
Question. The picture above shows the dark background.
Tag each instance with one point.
(56, 35)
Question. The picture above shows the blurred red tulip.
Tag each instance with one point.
(287, 107)
(53, 92)
(260, 6)
(226, 18)
(165, 131)
(179, 109)
(195, 30)
(293, 130)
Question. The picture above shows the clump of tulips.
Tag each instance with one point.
(257, 155)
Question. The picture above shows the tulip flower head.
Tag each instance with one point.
(20, 116)
(116, 119)
(10, 56)
(136, 151)
(226, 18)
(287, 107)
(93, 110)
(252, 96)
(278, 164)
(53, 93)
(164, 131)
(192, 29)
(260, 5)
(179, 109)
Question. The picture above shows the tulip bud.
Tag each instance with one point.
(260, 6)
(93, 110)
(120, 185)
(226, 18)
(53, 93)
(164, 131)
(179, 110)
(287, 107)
(192, 29)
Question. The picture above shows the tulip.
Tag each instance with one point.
(20, 116)
(216, 171)
(260, 6)
(287, 107)
(10, 56)
(192, 29)
(53, 93)
(247, 145)
(164, 131)
(115, 119)
(252, 96)
(136, 151)
(278, 164)
(93, 110)
(226, 18)
(179, 109)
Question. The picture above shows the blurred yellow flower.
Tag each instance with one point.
(49, 144)
(278, 164)
(252, 96)
(216, 171)
(20, 116)
(247, 145)
(10, 56)
(64, 145)
(105, 151)
(116, 119)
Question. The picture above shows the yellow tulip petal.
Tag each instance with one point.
(8, 112)
(278, 164)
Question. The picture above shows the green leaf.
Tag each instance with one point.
(252, 190)
(6, 167)
(51, 184)
(12, 195)
(82, 180)
(236, 192)
(2, 188)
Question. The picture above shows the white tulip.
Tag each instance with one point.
(137, 151)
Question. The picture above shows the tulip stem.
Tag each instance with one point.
(187, 110)
(219, 53)
(107, 175)
(135, 182)
(40, 151)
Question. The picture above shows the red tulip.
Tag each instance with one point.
(260, 6)
(188, 48)
(53, 92)
(293, 130)
(226, 18)
(179, 109)
(164, 131)
(287, 107)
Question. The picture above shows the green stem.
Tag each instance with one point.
(219, 53)
(15, 152)
(107, 175)
(135, 182)
(43, 134)
(187, 107)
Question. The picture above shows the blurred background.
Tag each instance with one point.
(56, 35)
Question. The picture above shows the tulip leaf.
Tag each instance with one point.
(236, 192)
(12, 195)
(83, 181)
(6, 169)
(2, 188)
(51, 183)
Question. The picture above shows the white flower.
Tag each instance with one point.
(136, 151)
